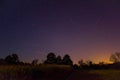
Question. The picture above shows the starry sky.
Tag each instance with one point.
(84, 29)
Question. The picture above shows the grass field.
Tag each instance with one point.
(107, 74)
(44, 72)
(54, 72)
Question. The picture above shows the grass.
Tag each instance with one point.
(53, 72)
(107, 74)
(13, 72)
(18, 72)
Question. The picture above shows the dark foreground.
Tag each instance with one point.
(55, 72)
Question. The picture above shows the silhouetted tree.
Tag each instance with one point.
(85, 65)
(59, 60)
(35, 62)
(67, 60)
(75, 66)
(89, 63)
(81, 62)
(12, 59)
(51, 58)
(115, 58)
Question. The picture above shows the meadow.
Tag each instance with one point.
(110, 74)
(30, 72)
(54, 72)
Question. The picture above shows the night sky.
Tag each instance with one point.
(84, 29)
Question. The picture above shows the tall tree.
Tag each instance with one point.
(58, 60)
(67, 60)
(12, 59)
(51, 58)
(115, 58)
(81, 62)
(35, 62)
(89, 63)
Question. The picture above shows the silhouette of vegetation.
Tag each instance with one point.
(12, 59)
(60, 67)
(115, 58)
(90, 65)
(35, 62)
(81, 63)
(51, 58)
(75, 66)
(58, 60)
(67, 60)
(37, 73)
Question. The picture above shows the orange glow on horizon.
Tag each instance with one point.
(96, 58)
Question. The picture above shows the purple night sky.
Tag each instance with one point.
(84, 29)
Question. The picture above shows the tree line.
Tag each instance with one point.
(51, 58)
